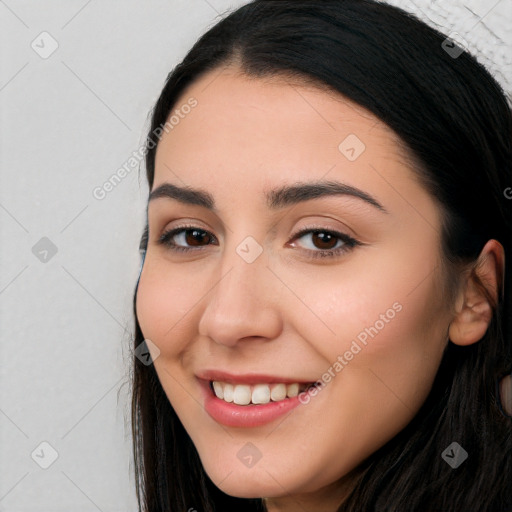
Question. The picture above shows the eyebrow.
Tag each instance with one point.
(276, 198)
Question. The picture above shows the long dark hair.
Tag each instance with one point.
(455, 121)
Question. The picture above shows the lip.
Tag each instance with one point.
(247, 378)
(244, 416)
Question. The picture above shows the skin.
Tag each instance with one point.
(287, 313)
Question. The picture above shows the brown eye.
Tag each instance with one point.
(186, 238)
(323, 243)
(196, 237)
(324, 240)
(321, 239)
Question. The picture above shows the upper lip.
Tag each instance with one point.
(247, 378)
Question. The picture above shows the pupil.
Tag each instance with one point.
(327, 241)
(195, 236)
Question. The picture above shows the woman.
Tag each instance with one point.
(324, 292)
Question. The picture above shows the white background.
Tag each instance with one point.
(67, 123)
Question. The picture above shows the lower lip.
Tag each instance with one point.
(233, 415)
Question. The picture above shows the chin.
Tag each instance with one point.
(247, 483)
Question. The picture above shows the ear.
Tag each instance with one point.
(473, 309)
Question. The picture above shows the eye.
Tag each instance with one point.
(322, 243)
(184, 238)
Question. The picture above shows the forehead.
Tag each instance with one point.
(276, 108)
(252, 133)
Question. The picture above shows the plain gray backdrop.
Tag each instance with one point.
(77, 81)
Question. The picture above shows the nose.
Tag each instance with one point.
(243, 304)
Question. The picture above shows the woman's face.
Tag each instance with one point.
(308, 252)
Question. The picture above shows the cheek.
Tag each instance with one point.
(165, 311)
(165, 300)
(391, 302)
(380, 326)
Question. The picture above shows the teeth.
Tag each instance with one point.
(219, 389)
(278, 392)
(228, 393)
(261, 394)
(292, 390)
(243, 394)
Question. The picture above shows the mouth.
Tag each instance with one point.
(257, 394)
(250, 400)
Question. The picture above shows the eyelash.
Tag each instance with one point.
(348, 242)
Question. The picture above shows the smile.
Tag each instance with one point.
(248, 401)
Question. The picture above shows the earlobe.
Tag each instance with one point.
(471, 322)
(474, 305)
